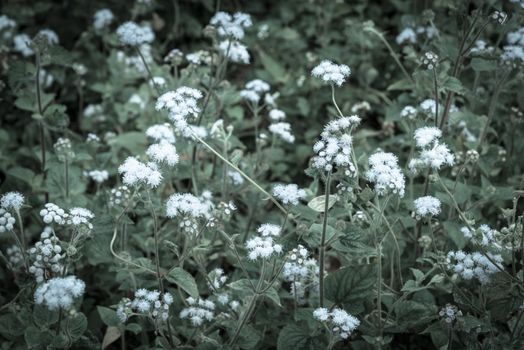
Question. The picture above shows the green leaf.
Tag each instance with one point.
(273, 67)
(453, 84)
(293, 336)
(184, 280)
(76, 326)
(112, 334)
(108, 316)
(42, 316)
(479, 64)
(318, 203)
(350, 284)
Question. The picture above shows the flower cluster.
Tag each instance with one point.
(7, 221)
(433, 154)
(254, 90)
(289, 194)
(97, 176)
(231, 25)
(14, 255)
(235, 51)
(163, 153)
(335, 146)
(150, 303)
(181, 105)
(338, 320)
(198, 311)
(59, 292)
(217, 278)
(302, 272)
(102, 18)
(64, 149)
(188, 209)
(426, 206)
(119, 197)
(483, 236)
(53, 213)
(449, 313)
(136, 173)
(12, 201)
(161, 132)
(263, 246)
(282, 130)
(331, 73)
(429, 60)
(80, 217)
(133, 34)
(474, 265)
(46, 256)
(385, 173)
(408, 112)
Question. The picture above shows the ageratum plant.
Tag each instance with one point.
(261, 175)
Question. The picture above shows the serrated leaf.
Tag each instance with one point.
(293, 336)
(273, 67)
(350, 284)
(76, 325)
(318, 203)
(184, 280)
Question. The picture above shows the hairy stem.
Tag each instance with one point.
(323, 241)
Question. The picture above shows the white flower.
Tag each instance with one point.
(157, 81)
(339, 321)
(21, 44)
(136, 173)
(137, 100)
(7, 221)
(49, 35)
(235, 51)
(199, 57)
(277, 114)
(53, 213)
(102, 18)
(163, 152)
(408, 112)
(186, 204)
(427, 206)
(59, 292)
(385, 173)
(263, 246)
(198, 311)
(161, 132)
(283, 130)
(254, 90)
(150, 303)
(331, 73)
(437, 156)
(231, 26)
(474, 265)
(406, 35)
(427, 135)
(429, 107)
(12, 201)
(80, 216)
(6, 26)
(334, 148)
(46, 256)
(289, 194)
(98, 176)
(181, 104)
(235, 177)
(132, 34)
(483, 236)
(321, 314)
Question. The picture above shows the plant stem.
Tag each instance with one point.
(41, 124)
(435, 86)
(491, 110)
(157, 250)
(379, 288)
(66, 175)
(250, 180)
(391, 52)
(148, 71)
(323, 241)
(334, 101)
